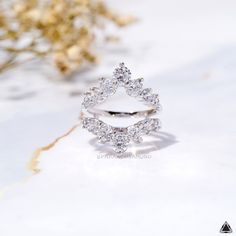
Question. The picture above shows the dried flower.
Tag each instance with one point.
(60, 30)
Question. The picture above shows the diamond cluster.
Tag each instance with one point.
(121, 78)
(119, 138)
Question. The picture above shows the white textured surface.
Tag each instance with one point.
(186, 50)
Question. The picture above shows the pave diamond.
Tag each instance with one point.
(148, 125)
(92, 125)
(156, 125)
(98, 95)
(119, 138)
(102, 130)
(89, 100)
(120, 148)
(135, 134)
(122, 74)
(133, 87)
(153, 99)
(122, 78)
(145, 93)
(108, 86)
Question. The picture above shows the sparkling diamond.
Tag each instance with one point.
(153, 99)
(133, 87)
(134, 133)
(144, 126)
(108, 87)
(94, 90)
(94, 127)
(89, 100)
(98, 95)
(140, 126)
(145, 93)
(122, 74)
(137, 139)
(156, 124)
(103, 138)
(101, 97)
(105, 132)
(119, 149)
(120, 136)
(120, 139)
(86, 123)
(149, 125)
(89, 124)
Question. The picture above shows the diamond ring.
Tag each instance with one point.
(120, 137)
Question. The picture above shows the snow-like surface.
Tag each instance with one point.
(183, 182)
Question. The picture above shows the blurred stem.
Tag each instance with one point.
(11, 63)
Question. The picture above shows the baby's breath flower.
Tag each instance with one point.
(65, 26)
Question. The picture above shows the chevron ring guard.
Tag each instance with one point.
(120, 137)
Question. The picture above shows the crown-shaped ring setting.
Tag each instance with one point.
(120, 137)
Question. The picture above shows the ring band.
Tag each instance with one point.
(120, 137)
(107, 113)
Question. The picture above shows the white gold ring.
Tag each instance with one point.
(120, 137)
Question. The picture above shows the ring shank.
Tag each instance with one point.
(108, 113)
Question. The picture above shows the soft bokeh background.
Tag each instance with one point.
(185, 49)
